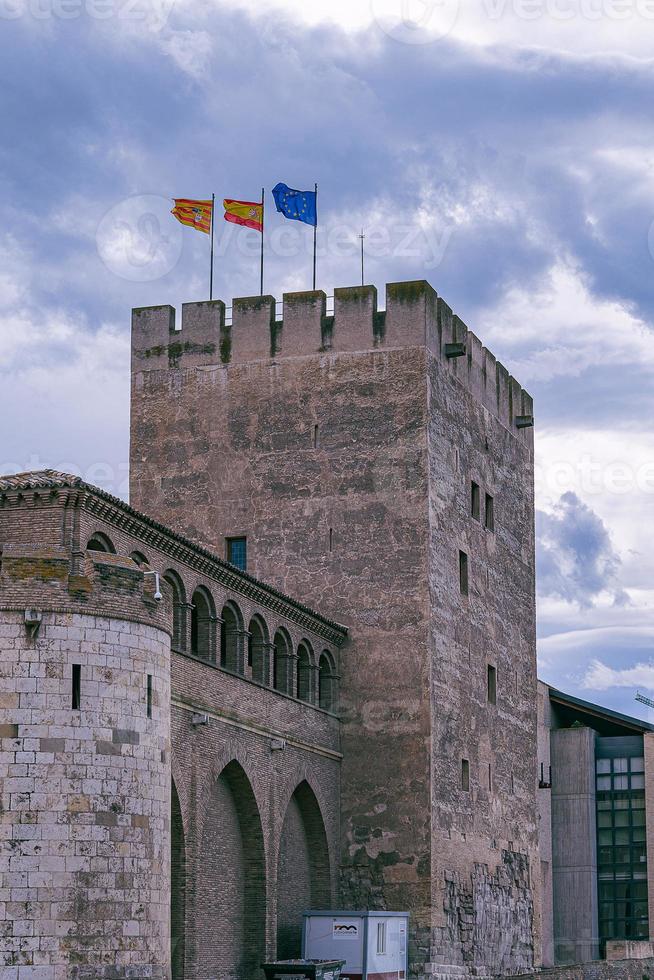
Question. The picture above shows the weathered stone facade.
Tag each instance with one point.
(346, 449)
(107, 864)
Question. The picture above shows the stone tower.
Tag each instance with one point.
(379, 464)
(85, 746)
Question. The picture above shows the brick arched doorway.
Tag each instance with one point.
(231, 882)
(303, 877)
(177, 887)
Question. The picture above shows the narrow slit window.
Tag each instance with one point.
(490, 777)
(463, 573)
(465, 775)
(475, 500)
(76, 693)
(381, 938)
(316, 437)
(492, 684)
(331, 539)
(489, 513)
(148, 696)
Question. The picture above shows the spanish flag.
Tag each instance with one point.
(248, 213)
(195, 214)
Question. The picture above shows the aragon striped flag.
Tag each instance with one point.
(195, 214)
(248, 213)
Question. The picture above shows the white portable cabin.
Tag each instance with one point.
(374, 945)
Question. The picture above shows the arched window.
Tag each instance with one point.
(231, 639)
(179, 640)
(100, 542)
(326, 682)
(281, 662)
(202, 624)
(258, 660)
(139, 559)
(304, 684)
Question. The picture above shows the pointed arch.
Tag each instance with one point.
(258, 658)
(203, 624)
(231, 894)
(327, 682)
(303, 870)
(304, 673)
(282, 660)
(179, 639)
(231, 638)
(177, 887)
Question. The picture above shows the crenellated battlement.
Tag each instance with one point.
(415, 316)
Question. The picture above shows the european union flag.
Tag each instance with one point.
(297, 205)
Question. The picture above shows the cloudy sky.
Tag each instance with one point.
(502, 149)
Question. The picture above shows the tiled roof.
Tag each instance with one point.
(39, 480)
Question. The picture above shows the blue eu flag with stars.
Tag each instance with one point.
(297, 205)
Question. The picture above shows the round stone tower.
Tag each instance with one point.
(84, 761)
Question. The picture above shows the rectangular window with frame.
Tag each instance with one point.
(465, 775)
(237, 552)
(475, 500)
(463, 573)
(489, 513)
(492, 684)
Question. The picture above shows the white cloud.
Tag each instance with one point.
(601, 677)
(557, 327)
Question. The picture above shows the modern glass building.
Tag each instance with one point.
(595, 779)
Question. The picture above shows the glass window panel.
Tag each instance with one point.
(622, 836)
(604, 782)
(641, 930)
(606, 910)
(621, 801)
(640, 910)
(620, 765)
(637, 782)
(605, 855)
(622, 855)
(621, 818)
(621, 910)
(606, 890)
(602, 803)
(603, 765)
(640, 889)
(638, 818)
(638, 835)
(638, 855)
(639, 874)
(606, 837)
(637, 765)
(604, 820)
(638, 799)
(622, 782)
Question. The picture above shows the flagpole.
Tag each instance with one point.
(213, 209)
(362, 236)
(263, 205)
(315, 234)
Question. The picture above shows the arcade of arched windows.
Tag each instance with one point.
(229, 634)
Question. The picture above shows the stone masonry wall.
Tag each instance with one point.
(311, 436)
(85, 793)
